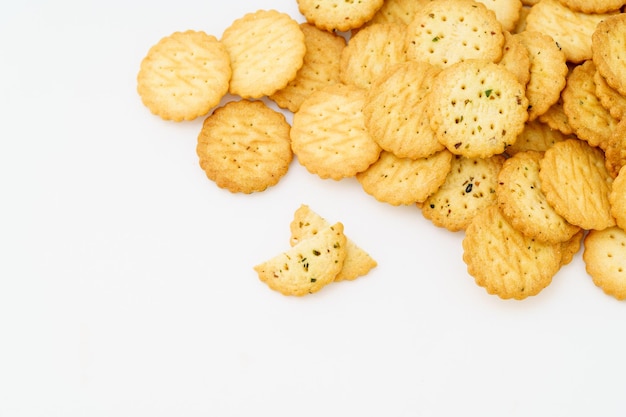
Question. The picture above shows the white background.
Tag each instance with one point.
(126, 280)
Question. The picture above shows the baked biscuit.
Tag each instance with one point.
(577, 184)
(398, 11)
(479, 108)
(556, 118)
(306, 224)
(516, 58)
(608, 51)
(610, 98)
(266, 50)
(617, 198)
(184, 75)
(594, 6)
(445, 32)
(570, 247)
(506, 262)
(308, 266)
(507, 11)
(469, 188)
(332, 15)
(615, 153)
(320, 67)
(244, 146)
(395, 110)
(604, 255)
(329, 136)
(536, 136)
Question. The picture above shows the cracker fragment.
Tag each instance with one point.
(308, 266)
(605, 260)
(306, 223)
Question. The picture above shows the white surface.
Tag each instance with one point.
(126, 281)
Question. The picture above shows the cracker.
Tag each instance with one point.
(445, 32)
(604, 255)
(523, 203)
(516, 58)
(548, 72)
(329, 136)
(306, 223)
(556, 118)
(469, 188)
(266, 51)
(571, 30)
(507, 11)
(398, 11)
(506, 262)
(479, 108)
(319, 69)
(610, 98)
(608, 51)
(338, 15)
(184, 75)
(588, 118)
(570, 247)
(244, 146)
(536, 136)
(577, 184)
(371, 52)
(395, 110)
(617, 198)
(615, 153)
(308, 266)
(404, 181)
(594, 6)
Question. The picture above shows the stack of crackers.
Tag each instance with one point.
(503, 120)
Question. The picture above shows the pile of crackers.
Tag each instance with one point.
(503, 120)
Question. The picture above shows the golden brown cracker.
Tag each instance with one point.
(244, 146)
(610, 98)
(308, 266)
(306, 223)
(617, 198)
(266, 51)
(395, 110)
(337, 15)
(507, 11)
(329, 135)
(615, 153)
(469, 188)
(184, 75)
(593, 6)
(536, 136)
(506, 262)
(570, 248)
(319, 69)
(404, 181)
(478, 110)
(577, 184)
(398, 11)
(604, 255)
(516, 58)
(556, 118)
(608, 43)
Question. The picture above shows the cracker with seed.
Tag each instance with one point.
(577, 184)
(588, 118)
(306, 223)
(184, 75)
(610, 98)
(506, 262)
(395, 110)
(607, 43)
(536, 136)
(469, 188)
(244, 146)
(516, 58)
(308, 266)
(266, 50)
(615, 153)
(445, 32)
(604, 255)
(523, 203)
(594, 6)
(548, 72)
(507, 11)
(479, 108)
(338, 15)
(371, 52)
(319, 69)
(617, 198)
(329, 136)
(404, 181)
(570, 29)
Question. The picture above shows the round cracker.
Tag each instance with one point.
(398, 11)
(184, 75)
(244, 146)
(395, 110)
(329, 135)
(604, 255)
(506, 262)
(610, 98)
(479, 108)
(608, 43)
(577, 184)
(594, 6)
(507, 11)
(266, 51)
(615, 153)
(617, 198)
(332, 15)
(516, 58)
(536, 136)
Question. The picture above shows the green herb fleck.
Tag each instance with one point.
(316, 252)
(488, 92)
(313, 279)
(436, 39)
